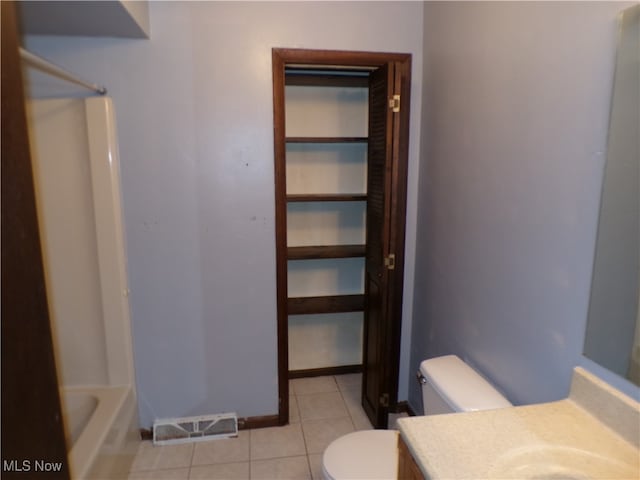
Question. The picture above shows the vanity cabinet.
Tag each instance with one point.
(407, 467)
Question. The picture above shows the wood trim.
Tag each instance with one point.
(301, 57)
(278, 64)
(325, 304)
(327, 197)
(32, 426)
(326, 140)
(246, 423)
(326, 371)
(325, 80)
(402, 407)
(325, 251)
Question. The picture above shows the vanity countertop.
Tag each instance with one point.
(595, 433)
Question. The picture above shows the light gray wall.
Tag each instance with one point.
(194, 112)
(515, 115)
(613, 307)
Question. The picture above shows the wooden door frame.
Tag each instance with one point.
(280, 58)
(32, 427)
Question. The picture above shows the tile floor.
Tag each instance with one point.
(321, 410)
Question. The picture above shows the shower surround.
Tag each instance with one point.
(76, 171)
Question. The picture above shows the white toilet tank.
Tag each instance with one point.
(450, 385)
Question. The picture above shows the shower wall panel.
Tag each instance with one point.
(59, 149)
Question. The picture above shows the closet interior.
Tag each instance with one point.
(326, 123)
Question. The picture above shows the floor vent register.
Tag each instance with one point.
(171, 431)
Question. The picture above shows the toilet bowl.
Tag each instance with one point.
(448, 385)
(376, 446)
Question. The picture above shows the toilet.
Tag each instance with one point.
(448, 385)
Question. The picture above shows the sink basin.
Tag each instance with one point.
(547, 462)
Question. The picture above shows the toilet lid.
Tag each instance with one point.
(366, 455)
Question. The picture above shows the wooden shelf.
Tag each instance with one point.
(325, 251)
(330, 197)
(304, 79)
(326, 139)
(326, 304)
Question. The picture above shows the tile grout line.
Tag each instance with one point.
(339, 391)
(250, 443)
(193, 454)
(304, 438)
(347, 408)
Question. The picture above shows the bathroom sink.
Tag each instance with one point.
(590, 435)
(550, 462)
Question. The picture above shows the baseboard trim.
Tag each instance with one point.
(265, 421)
(403, 407)
(319, 372)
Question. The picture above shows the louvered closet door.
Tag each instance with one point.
(376, 383)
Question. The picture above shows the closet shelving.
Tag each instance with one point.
(326, 147)
(327, 197)
(326, 139)
(325, 304)
(325, 251)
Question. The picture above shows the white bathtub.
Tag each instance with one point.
(101, 430)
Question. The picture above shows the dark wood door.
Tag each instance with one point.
(375, 390)
(383, 315)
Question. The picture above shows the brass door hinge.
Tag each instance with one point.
(394, 103)
(390, 261)
(384, 400)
